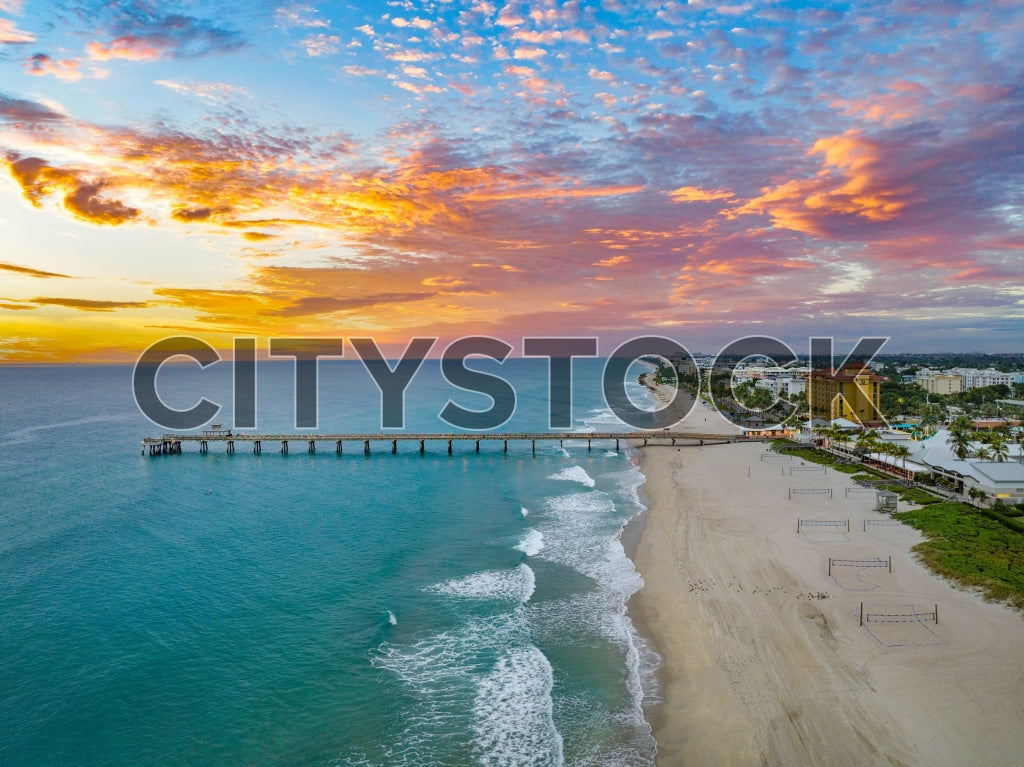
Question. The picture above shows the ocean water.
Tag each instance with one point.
(313, 609)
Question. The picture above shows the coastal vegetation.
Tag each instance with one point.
(972, 548)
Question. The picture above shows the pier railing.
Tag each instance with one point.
(168, 444)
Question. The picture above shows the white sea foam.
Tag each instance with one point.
(392, 619)
(482, 675)
(575, 474)
(514, 585)
(523, 510)
(532, 542)
(601, 416)
(513, 709)
(582, 531)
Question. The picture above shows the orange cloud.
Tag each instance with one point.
(90, 305)
(82, 199)
(129, 48)
(696, 194)
(64, 69)
(852, 182)
(30, 272)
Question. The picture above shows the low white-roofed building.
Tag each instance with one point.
(1002, 481)
(936, 454)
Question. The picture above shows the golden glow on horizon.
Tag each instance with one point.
(500, 170)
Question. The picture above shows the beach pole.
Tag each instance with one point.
(847, 525)
(830, 567)
(936, 615)
(890, 563)
(861, 613)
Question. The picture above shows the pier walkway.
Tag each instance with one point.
(169, 444)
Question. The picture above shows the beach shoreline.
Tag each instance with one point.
(764, 660)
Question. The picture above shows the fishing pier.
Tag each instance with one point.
(170, 444)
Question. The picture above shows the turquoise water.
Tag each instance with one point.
(312, 609)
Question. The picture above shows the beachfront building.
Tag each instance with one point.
(939, 383)
(851, 393)
(999, 480)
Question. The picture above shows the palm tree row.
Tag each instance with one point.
(867, 441)
(991, 445)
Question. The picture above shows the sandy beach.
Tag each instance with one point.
(765, 659)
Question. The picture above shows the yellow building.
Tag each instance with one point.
(849, 393)
(938, 383)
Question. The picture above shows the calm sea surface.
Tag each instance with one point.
(313, 609)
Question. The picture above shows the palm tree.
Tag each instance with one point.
(900, 451)
(867, 441)
(982, 453)
(997, 444)
(959, 440)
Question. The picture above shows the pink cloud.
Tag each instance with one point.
(10, 34)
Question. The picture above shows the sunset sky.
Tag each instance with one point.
(696, 170)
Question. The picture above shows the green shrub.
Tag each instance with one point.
(972, 548)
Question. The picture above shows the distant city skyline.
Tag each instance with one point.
(695, 170)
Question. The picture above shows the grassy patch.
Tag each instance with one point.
(971, 549)
(812, 455)
(919, 496)
(911, 494)
(848, 468)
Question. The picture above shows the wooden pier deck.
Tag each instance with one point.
(172, 443)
